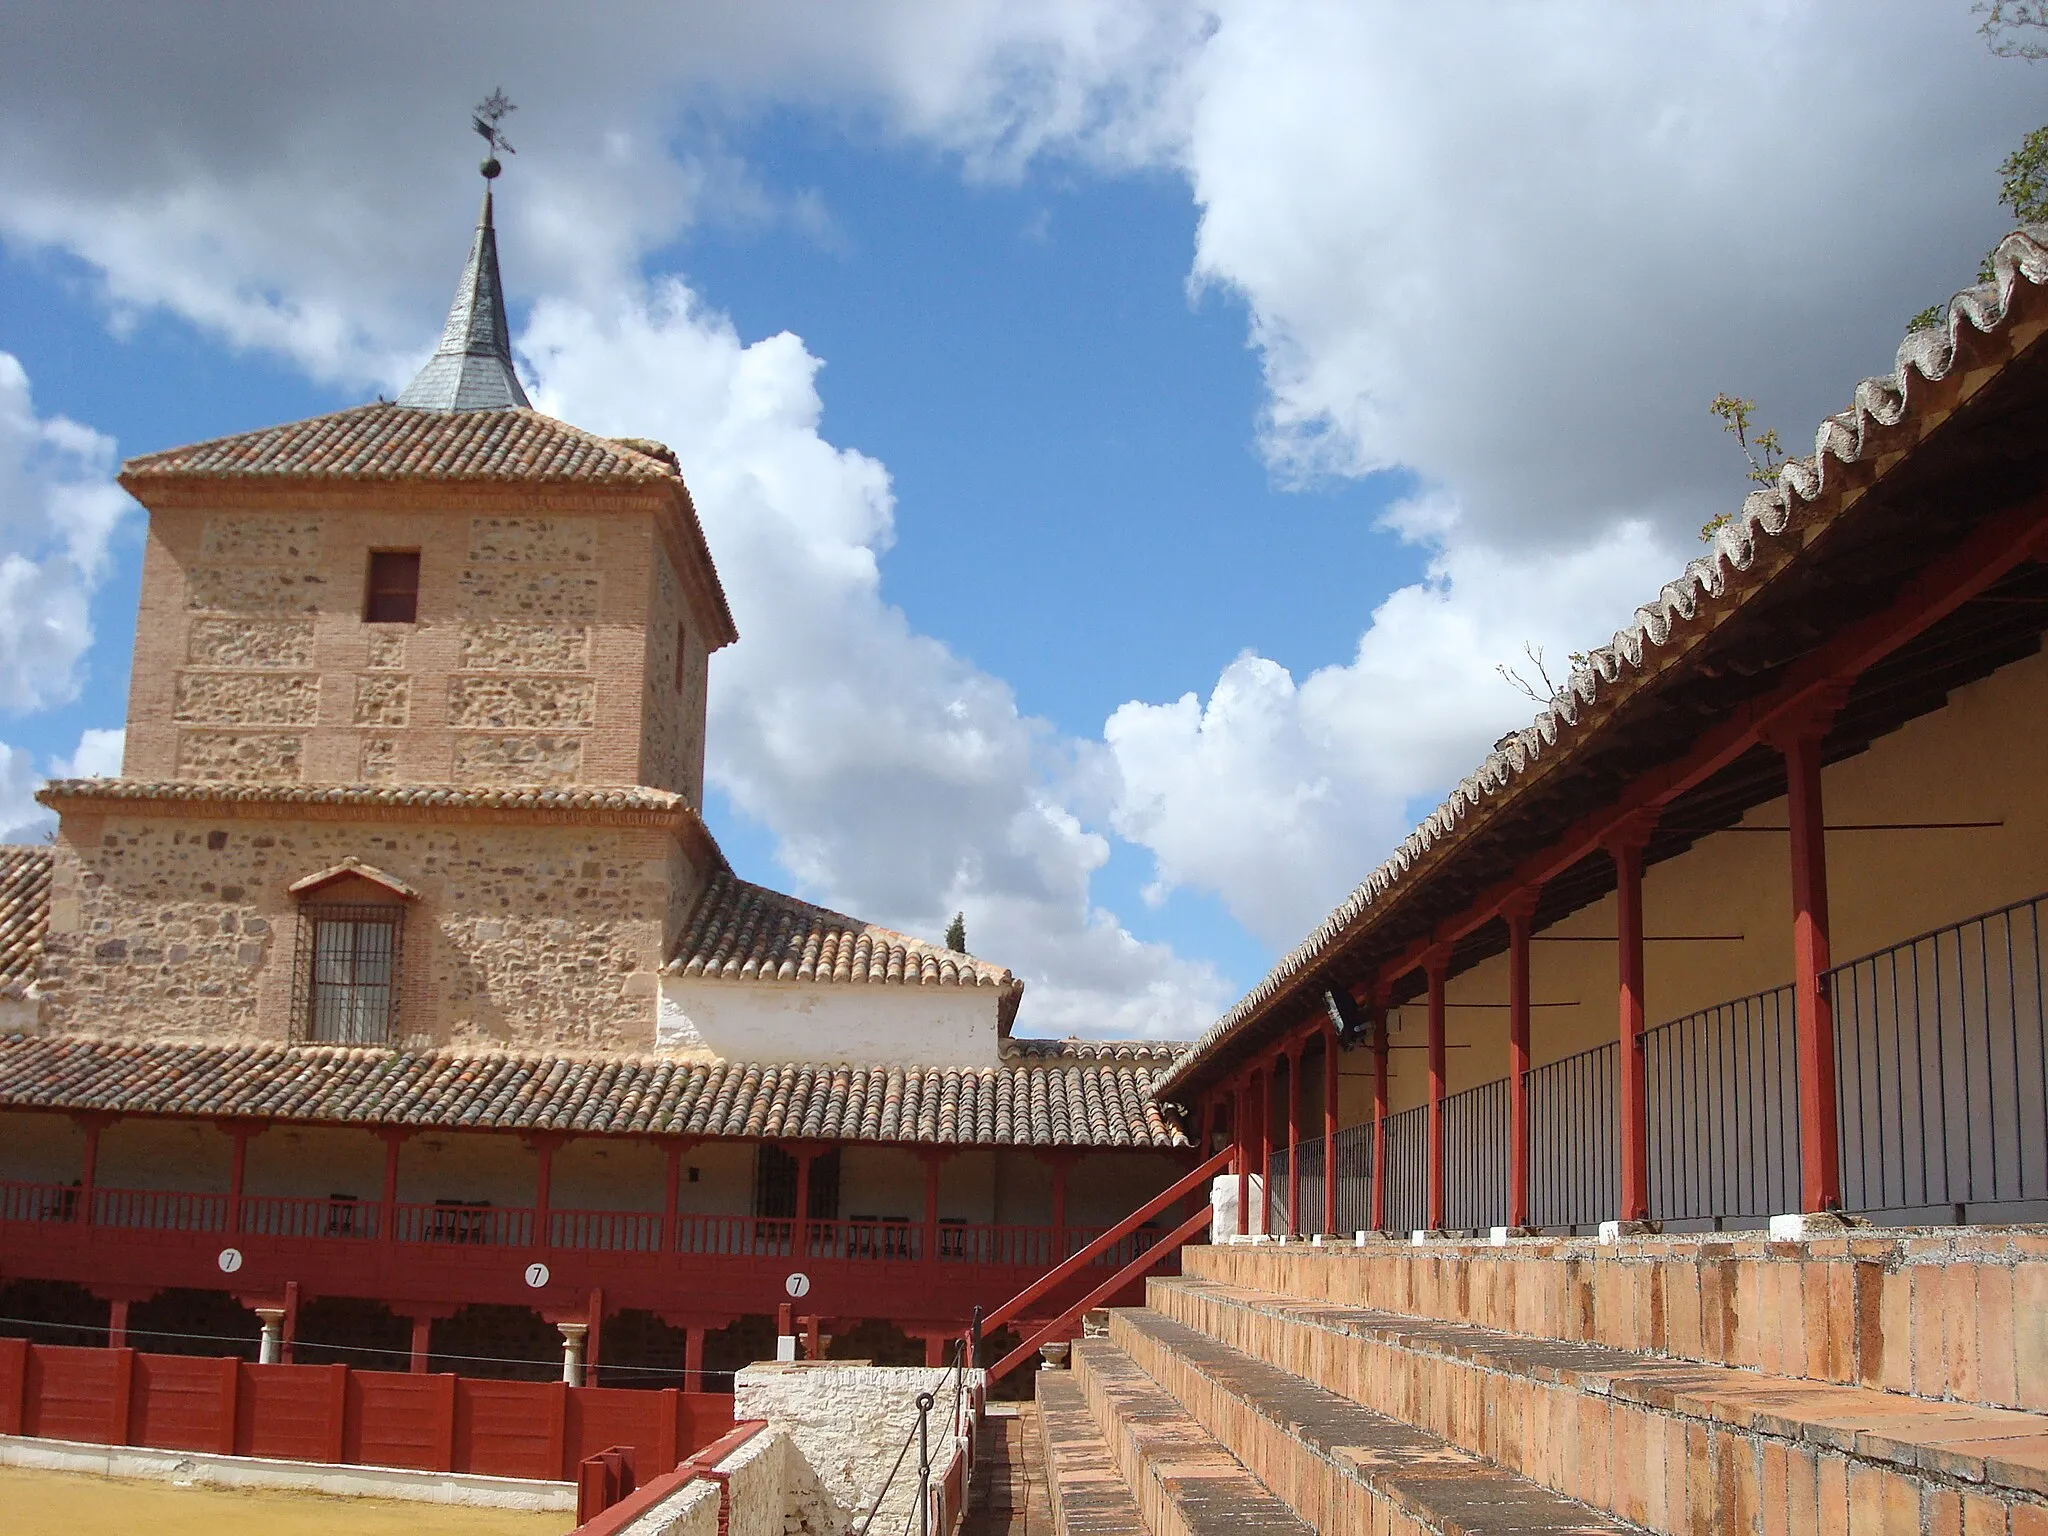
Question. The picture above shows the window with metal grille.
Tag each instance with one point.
(392, 593)
(347, 981)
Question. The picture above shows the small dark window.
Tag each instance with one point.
(348, 973)
(682, 656)
(775, 1184)
(393, 592)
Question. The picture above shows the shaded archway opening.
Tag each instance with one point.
(501, 1342)
(52, 1312)
(185, 1322)
(352, 1331)
(738, 1344)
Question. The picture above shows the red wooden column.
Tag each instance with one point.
(1330, 1086)
(544, 1190)
(117, 1323)
(388, 1205)
(1626, 847)
(671, 1192)
(1518, 911)
(1379, 1112)
(1263, 1079)
(693, 1358)
(422, 1344)
(1294, 1137)
(1240, 1133)
(1060, 1164)
(1436, 966)
(238, 1170)
(800, 1232)
(89, 1169)
(930, 1246)
(1820, 1167)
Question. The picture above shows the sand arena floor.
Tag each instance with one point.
(36, 1503)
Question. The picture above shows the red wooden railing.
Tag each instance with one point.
(461, 1224)
(1096, 1251)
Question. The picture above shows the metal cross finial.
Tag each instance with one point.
(490, 112)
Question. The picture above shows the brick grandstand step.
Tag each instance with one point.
(1182, 1481)
(1089, 1494)
(1670, 1445)
(1335, 1464)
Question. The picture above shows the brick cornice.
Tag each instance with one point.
(628, 806)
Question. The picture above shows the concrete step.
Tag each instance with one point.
(1959, 1314)
(1182, 1482)
(1335, 1464)
(1088, 1495)
(1664, 1444)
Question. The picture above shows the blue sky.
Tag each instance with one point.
(1222, 393)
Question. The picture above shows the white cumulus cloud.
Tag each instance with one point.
(898, 780)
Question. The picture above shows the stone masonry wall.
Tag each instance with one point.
(542, 654)
(848, 1422)
(672, 730)
(526, 935)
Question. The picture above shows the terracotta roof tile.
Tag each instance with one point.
(24, 912)
(387, 441)
(1706, 591)
(1037, 1099)
(746, 932)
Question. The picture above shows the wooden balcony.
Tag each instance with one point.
(447, 1254)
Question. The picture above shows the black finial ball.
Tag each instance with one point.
(491, 168)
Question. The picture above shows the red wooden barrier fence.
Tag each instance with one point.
(333, 1413)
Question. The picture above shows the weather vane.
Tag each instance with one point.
(490, 112)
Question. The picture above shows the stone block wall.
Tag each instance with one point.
(526, 934)
(1960, 1314)
(543, 652)
(672, 744)
(847, 1422)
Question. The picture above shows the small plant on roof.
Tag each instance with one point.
(956, 934)
(1764, 452)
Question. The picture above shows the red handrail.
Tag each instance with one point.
(1122, 1229)
(1116, 1282)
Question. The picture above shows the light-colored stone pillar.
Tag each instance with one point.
(271, 1350)
(572, 1352)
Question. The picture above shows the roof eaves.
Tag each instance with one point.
(1878, 405)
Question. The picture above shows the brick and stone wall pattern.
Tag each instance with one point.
(672, 745)
(532, 661)
(182, 928)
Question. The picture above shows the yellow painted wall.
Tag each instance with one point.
(1979, 758)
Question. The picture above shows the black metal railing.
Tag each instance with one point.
(1941, 1055)
(1308, 1201)
(1476, 1157)
(1574, 1141)
(1353, 1148)
(1277, 1214)
(1408, 1170)
(1721, 1095)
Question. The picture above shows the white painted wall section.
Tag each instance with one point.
(872, 1024)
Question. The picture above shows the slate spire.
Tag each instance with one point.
(472, 368)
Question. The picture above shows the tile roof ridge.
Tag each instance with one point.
(166, 462)
(1877, 404)
(741, 930)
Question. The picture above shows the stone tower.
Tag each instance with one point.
(415, 733)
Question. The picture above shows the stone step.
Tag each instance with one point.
(1183, 1481)
(1009, 1476)
(1959, 1314)
(1334, 1464)
(1089, 1496)
(1661, 1443)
